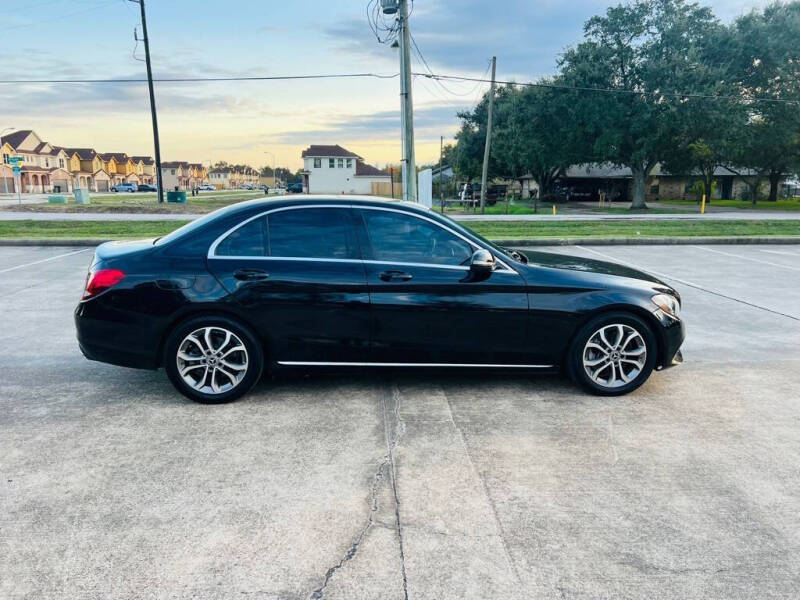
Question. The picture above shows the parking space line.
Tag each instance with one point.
(793, 254)
(44, 260)
(692, 285)
(763, 262)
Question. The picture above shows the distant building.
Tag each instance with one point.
(336, 170)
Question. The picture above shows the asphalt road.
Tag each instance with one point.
(391, 485)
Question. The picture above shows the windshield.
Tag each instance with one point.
(192, 226)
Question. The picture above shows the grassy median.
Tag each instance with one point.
(501, 230)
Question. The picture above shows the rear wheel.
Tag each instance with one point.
(612, 354)
(213, 359)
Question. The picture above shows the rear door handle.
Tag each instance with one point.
(250, 274)
(395, 276)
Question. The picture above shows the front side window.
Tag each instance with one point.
(402, 238)
(317, 163)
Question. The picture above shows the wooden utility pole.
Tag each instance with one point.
(152, 101)
(487, 147)
(406, 106)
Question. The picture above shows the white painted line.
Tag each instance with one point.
(794, 254)
(690, 284)
(763, 262)
(44, 260)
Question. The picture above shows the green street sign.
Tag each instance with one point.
(15, 160)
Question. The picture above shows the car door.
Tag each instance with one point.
(425, 306)
(298, 276)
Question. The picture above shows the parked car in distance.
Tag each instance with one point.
(295, 188)
(146, 187)
(343, 281)
(124, 187)
(246, 186)
(206, 187)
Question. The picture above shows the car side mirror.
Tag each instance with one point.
(482, 262)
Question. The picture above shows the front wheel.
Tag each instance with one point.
(612, 354)
(213, 360)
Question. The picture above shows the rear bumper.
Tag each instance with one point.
(114, 338)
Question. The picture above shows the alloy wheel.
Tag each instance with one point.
(614, 355)
(212, 360)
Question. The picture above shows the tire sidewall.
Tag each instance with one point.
(575, 355)
(255, 355)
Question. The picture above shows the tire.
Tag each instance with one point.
(596, 362)
(227, 373)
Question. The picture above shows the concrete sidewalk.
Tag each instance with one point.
(735, 215)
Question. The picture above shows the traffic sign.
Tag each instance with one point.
(16, 169)
(15, 160)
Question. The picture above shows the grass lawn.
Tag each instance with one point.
(144, 203)
(502, 230)
(787, 204)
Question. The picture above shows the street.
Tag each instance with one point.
(393, 484)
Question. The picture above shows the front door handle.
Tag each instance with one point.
(395, 276)
(250, 274)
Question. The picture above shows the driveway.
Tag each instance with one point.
(405, 484)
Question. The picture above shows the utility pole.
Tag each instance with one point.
(146, 41)
(441, 170)
(488, 145)
(406, 106)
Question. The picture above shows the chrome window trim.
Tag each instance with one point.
(385, 364)
(213, 247)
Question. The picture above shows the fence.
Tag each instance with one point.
(384, 188)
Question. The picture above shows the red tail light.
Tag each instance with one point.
(101, 280)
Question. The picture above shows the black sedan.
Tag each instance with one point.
(344, 281)
(146, 187)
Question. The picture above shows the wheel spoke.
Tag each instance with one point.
(191, 368)
(637, 363)
(602, 332)
(214, 384)
(196, 342)
(230, 376)
(595, 362)
(638, 352)
(620, 335)
(184, 356)
(224, 343)
(207, 337)
(234, 349)
(233, 366)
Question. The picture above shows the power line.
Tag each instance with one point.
(209, 79)
(433, 76)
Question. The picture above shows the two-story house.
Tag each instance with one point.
(40, 162)
(336, 170)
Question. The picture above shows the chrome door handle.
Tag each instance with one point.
(395, 276)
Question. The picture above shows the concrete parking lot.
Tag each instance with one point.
(393, 485)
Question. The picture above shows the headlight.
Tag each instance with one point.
(669, 304)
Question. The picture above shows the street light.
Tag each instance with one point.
(5, 180)
(274, 174)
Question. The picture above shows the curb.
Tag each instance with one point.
(518, 243)
(650, 241)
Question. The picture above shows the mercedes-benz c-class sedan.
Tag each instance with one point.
(352, 281)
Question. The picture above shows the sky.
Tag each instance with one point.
(261, 122)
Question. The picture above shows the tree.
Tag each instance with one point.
(643, 51)
(765, 64)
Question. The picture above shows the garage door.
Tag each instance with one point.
(60, 185)
(102, 186)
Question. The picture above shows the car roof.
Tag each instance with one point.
(306, 199)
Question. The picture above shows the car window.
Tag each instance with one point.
(248, 240)
(396, 237)
(311, 233)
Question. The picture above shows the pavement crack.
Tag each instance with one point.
(393, 431)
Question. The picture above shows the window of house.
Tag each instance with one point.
(61, 162)
(317, 163)
(311, 233)
(349, 163)
(46, 162)
(400, 238)
(654, 190)
(173, 171)
(340, 163)
(331, 163)
(5, 158)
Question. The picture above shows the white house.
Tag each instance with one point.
(336, 170)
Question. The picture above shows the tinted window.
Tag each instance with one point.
(396, 237)
(248, 240)
(311, 233)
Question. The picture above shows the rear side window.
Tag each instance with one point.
(248, 240)
(311, 233)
